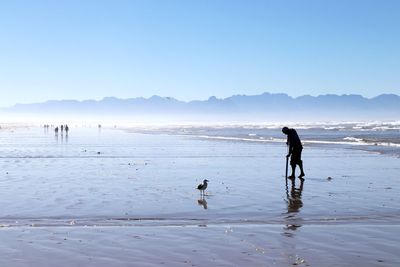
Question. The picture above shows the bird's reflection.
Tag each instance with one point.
(202, 202)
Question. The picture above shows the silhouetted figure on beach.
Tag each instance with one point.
(295, 149)
(56, 130)
(62, 128)
(66, 129)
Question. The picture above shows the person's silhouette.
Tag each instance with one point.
(295, 149)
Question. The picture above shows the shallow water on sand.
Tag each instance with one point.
(112, 178)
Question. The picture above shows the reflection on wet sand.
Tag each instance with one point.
(294, 204)
(294, 199)
(293, 221)
(202, 202)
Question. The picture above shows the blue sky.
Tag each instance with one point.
(195, 49)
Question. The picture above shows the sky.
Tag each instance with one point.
(194, 49)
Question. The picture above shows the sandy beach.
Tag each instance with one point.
(117, 198)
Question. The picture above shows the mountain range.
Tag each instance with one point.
(239, 108)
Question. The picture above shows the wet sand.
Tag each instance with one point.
(223, 245)
(111, 198)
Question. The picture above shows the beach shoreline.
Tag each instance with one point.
(114, 198)
(280, 245)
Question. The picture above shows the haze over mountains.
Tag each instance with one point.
(238, 108)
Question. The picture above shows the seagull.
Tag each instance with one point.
(203, 186)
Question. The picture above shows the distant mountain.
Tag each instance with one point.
(264, 107)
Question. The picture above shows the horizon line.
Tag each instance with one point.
(193, 100)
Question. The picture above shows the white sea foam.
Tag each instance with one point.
(349, 125)
(353, 139)
(387, 144)
(230, 138)
(347, 141)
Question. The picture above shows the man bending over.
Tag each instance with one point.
(295, 148)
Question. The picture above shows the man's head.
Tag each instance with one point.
(285, 130)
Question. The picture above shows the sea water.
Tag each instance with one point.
(116, 177)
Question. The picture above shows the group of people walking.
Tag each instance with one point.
(62, 128)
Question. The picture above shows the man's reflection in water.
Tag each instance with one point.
(294, 203)
(292, 222)
(294, 199)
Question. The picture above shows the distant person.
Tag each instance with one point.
(62, 128)
(56, 130)
(295, 149)
(66, 128)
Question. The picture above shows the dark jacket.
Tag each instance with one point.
(293, 140)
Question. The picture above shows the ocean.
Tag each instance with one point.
(128, 197)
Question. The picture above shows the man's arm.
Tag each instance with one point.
(290, 144)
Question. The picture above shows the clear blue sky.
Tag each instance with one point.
(193, 49)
